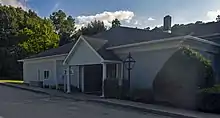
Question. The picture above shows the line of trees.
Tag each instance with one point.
(24, 33)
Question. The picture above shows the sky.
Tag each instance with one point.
(132, 13)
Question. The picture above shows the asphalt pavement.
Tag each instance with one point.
(17, 103)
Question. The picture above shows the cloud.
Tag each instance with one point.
(55, 7)
(150, 19)
(212, 15)
(136, 22)
(106, 17)
(15, 3)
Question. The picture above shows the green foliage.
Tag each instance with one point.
(64, 25)
(22, 33)
(116, 23)
(38, 35)
(92, 28)
(194, 54)
(214, 89)
(218, 18)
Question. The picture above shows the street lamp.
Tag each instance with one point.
(129, 64)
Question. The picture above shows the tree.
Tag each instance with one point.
(148, 28)
(94, 27)
(198, 22)
(64, 25)
(218, 18)
(157, 29)
(22, 33)
(116, 23)
(38, 36)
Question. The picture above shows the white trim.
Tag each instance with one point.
(37, 58)
(55, 73)
(82, 77)
(104, 75)
(48, 74)
(150, 47)
(117, 71)
(203, 40)
(163, 40)
(214, 34)
(93, 49)
(148, 42)
(64, 62)
(78, 77)
(68, 80)
(81, 38)
(111, 61)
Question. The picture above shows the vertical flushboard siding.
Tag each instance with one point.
(83, 55)
(147, 65)
(31, 70)
(60, 71)
(74, 78)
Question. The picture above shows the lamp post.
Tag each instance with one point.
(129, 64)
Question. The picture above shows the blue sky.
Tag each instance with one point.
(135, 13)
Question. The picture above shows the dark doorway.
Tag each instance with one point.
(93, 79)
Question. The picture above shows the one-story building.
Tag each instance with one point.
(86, 63)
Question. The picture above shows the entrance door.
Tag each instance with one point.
(93, 79)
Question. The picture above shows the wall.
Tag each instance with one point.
(148, 63)
(32, 68)
(151, 57)
(74, 77)
(60, 71)
(83, 55)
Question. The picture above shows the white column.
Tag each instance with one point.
(117, 71)
(82, 78)
(55, 74)
(64, 82)
(121, 74)
(68, 80)
(104, 76)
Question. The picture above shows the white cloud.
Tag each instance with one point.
(106, 17)
(136, 22)
(15, 3)
(55, 7)
(213, 14)
(150, 19)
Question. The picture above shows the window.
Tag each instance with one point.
(46, 74)
(111, 70)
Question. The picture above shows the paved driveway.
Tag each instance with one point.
(16, 103)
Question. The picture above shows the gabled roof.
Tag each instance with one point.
(54, 51)
(125, 35)
(100, 45)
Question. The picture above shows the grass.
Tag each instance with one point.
(12, 81)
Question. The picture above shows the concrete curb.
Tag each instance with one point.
(149, 110)
(24, 88)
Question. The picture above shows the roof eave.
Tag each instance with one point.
(45, 57)
(148, 42)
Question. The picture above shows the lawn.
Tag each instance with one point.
(12, 81)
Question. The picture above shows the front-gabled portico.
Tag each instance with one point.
(94, 67)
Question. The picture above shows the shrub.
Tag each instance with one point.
(214, 89)
(113, 90)
(142, 95)
(209, 76)
(209, 99)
